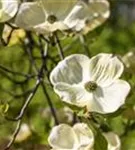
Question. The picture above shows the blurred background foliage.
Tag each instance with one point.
(116, 36)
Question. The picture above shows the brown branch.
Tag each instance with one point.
(59, 47)
(25, 105)
(14, 135)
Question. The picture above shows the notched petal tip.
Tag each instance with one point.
(105, 68)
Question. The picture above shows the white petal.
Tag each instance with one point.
(62, 137)
(8, 9)
(71, 70)
(109, 99)
(47, 28)
(87, 15)
(58, 26)
(59, 8)
(73, 19)
(104, 69)
(84, 134)
(30, 14)
(100, 10)
(113, 141)
(73, 94)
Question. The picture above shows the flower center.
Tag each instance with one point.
(90, 86)
(51, 19)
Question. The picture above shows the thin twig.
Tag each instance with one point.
(44, 56)
(14, 135)
(85, 45)
(61, 54)
(12, 26)
(59, 47)
(16, 95)
(28, 46)
(14, 72)
(25, 105)
(24, 108)
(74, 118)
(39, 81)
(5, 75)
(50, 103)
(45, 39)
(5, 43)
(13, 80)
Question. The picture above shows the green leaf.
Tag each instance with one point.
(100, 142)
(128, 141)
(75, 108)
(4, 108)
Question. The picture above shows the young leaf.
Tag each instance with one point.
(100, 142)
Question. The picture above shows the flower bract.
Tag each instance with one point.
(92, 83)
(8, 9)
(129, 61)
(113, 141)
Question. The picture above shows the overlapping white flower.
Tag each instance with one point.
(46, 16)
(129, 61)
(113, 141)
(92, 83)
(78, 137)
(24, 133)
(8, 9)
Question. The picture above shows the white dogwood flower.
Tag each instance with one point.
(113, 141)
(65, 137)
(92, 83)
(8, 9)
(46, 16)
(79, 137)
(129, 61)
(23, 134)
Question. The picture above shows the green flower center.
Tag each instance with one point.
(90, 86)
(51, 19)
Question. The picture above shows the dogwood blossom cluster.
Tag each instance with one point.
(47, 16)
(92, 84)
(79, 137)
